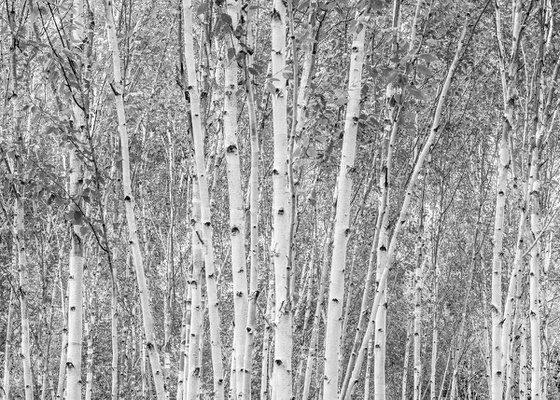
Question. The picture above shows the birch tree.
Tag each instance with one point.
(236, 209)
(281, 220)
(342, 215)
(117, 87)
(200, 165)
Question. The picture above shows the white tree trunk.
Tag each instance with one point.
(342, 216)
(433, 367)
(193, 362)
(76, 262)
(198, 135)
(403, 215)
(117, 87)
(418, 327)
(534, 277)
(406, 361)
(236, 208)
(523, 367)
(23, 291)
(254, 215)
(281, 219)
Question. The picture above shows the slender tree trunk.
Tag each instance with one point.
(169, 273)
(367, 380)
(433, 367)
(381, 218)
(88, 327)
(117, 87)
(114, 338)
(75, 285)
(198, 135)
(76, 264)
(406, 361)
(64, 335)
(487, 344)
(347, 301)
(193, 362)
(418, 327)
(19, 233)
(265, 369)
(254, 215)
(534, 277)
(442, 386)
(8, 349)
(23, 291)
(403, 215)
(144, 375)
(535, 220)
(500, 325)
(391, 127)
(459, 342)
(342, 218)
(523, 366)
(319, 306)
(236, 208)
(281, 210)
(185, 338)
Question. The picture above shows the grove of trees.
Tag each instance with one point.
(284, 199)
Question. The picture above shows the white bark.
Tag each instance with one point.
(193, 363)
(433, 365)
(319, 306)
(342, 216)
(117, 87)
(207, 231)
(534, 278)
(22, 296)
(236, 208)
(523, 343)
(254, 218)
(418, 327)
(281, 219)
(403, 215)
(406, 361)
(88, 327)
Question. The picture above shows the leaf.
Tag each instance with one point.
(77, 217)
(340, 101)
(230, 53)
(423, 70)
(226, 19)
(416, 93)
(373, 121)
(252, 71)
(240, 57)
(311, 152)
(85, 229)
(428, 57)
(304, 4)
(270, 87)
(287, 75)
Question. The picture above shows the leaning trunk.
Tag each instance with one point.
(342, 216)
(147, 315)
(198, 135)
